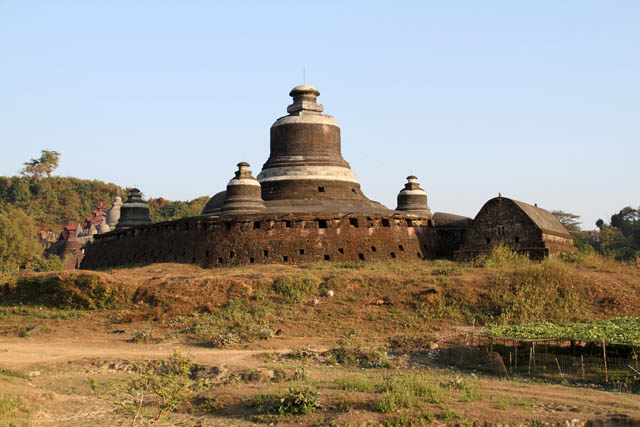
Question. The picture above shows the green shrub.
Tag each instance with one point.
(293, 402)
(63, 290)
(294, 289)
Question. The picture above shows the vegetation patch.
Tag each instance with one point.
(294, 402)
(622, 330)
(11, 406)
(240, 320)
(78, 290)
(294, 289)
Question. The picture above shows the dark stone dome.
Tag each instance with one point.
(243, 194)
(134, 211)
(412, 199)
(215, 203)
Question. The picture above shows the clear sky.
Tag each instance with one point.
(537, 100)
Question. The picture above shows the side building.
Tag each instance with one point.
(525, 228)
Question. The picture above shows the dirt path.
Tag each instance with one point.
(20, 353)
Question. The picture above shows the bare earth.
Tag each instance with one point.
(59, 367)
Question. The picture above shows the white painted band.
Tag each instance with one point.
(243, 181)
(325, 173)
(322, 119)
(413, 192)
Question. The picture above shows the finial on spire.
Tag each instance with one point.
(304, 101)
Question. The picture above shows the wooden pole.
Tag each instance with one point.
(516, 357)
(530, 357)
(510, 364)
(604, 356)
(533, 349)
(558, 365)
(582, 364)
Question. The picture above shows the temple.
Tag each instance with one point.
(306, 204)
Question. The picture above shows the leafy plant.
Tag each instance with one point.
(624, 330)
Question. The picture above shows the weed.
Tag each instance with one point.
(11, 373)
(445, 271)
(302, 354)
(143, 336)
(9, 405)
(406, 420)
(409, 391)
(449, 414)
(504, 403)
(403, 344)
(279, 375)
(501, 256)
(349, 352)
(293, 402)
(300, 374)
(240, 320)
(171, 383)
(350, 264)
(355, 383)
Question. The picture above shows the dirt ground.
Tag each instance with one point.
(58, 370)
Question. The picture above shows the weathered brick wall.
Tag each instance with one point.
(264, 239)
(505, 223)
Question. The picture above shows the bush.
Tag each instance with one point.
(293, 402)
(294, 289)
(65, 290)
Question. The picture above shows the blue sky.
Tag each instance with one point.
(537, 100)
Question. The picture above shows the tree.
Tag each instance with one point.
(48, 162)
(19, 245)
(568, 220)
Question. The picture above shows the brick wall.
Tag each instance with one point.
(264, 239)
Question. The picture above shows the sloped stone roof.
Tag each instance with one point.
(543, 219)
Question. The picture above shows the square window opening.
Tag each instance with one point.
(301, 251)
(401, 248)
(327, 258)
(393, 254)
(256, 224)
(285, 258)
(385, 222)
(322, 223)
(361, 256)
(516, 239)
(373, 248)
(287, 223)
(266, 253)
(341, 250)
(320, 189)
(353, 221)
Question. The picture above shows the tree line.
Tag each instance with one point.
(619, 239)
